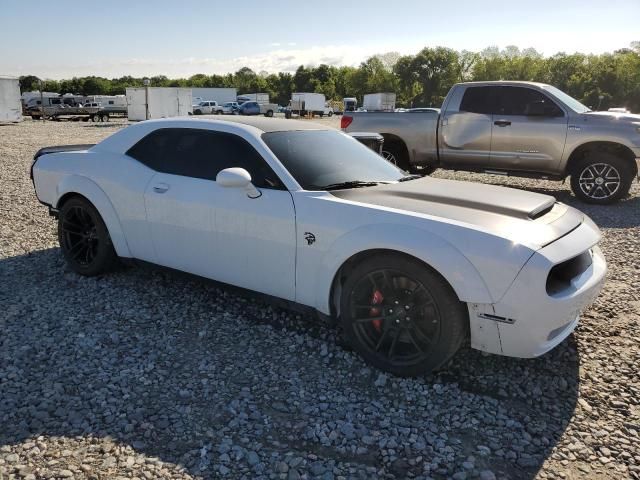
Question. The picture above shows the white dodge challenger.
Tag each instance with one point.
(410, 266)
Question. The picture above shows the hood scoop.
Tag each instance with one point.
(430, 195)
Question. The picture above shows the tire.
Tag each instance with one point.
(95, 118)
(601, 177)
(35, 117)
(330, 114)
(269, 113)
(84, 238)
(424, 325)
(218, 112)
(197, 112)
(105, 118)
(396, 153)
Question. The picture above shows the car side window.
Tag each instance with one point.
(526, 101)
(199, 153)
(478, 100)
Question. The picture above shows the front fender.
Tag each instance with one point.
(92, 192)
(426, 246)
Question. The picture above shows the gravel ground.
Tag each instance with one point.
(145, 374)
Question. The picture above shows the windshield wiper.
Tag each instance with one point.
(409, 177)
(350, 184)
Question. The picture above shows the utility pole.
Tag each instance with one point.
(41, 100)
(146, 83)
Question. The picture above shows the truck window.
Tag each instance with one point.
(518, 101)
(478, 100)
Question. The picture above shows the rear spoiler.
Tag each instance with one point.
(62, 148)
(58, 149)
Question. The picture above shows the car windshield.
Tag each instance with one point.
(318, 159)
(568, 100)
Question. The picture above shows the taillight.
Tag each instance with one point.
(345, 121)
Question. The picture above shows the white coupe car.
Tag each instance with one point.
(410, 266)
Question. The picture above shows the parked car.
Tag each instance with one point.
(410, 266)
(230, 108)
(207, 108)
(514, 128)
(255, 108)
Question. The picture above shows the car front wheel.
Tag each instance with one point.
(401, 316)
(84, 239)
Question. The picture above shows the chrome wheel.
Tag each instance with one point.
(389, 156)
(599, 181)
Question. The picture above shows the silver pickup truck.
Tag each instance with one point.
(513, 128)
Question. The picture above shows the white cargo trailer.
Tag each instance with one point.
(10, 106)
(163, 102)
(308, 103)
(260, 98)
(220, 95)
(382, 102)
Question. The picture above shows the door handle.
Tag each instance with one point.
(502, 123)
(161, 188)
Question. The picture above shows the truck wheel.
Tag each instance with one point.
(218, 112)
(95, 118)
(105, 118)
(401, 316)
(331, 114)
(269, 113)
(197, 112)
(396, 153)
(601, 177)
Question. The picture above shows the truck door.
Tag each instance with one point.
(465, 128)
(529, 131)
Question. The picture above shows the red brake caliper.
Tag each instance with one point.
(376, 299)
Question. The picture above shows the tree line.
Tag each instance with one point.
(420, 80)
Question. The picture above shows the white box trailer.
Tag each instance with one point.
(220, 95)
(261, 98)
(163, 102)
(383, 102)
(10, 105)
(308, 103)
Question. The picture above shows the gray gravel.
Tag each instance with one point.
(145, 374)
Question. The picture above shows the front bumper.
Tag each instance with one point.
(528, 321)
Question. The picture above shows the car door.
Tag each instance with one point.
(221, 233)
(529, 131)
(178, 203)
(465, 129)
(255, 238)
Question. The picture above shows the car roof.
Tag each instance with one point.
(261, 123)
(490, 83)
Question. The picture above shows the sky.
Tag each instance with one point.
(66, 38)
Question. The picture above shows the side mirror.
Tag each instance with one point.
(237, 178)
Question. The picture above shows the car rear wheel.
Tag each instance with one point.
(401, 316)
(84, 239)
(601, 177)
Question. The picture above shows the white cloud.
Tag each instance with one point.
(275, 60)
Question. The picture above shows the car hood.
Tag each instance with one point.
(613, 116)
(527, 218)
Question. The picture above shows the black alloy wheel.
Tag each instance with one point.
(84, 238)
(401, 316)
(395, 316)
